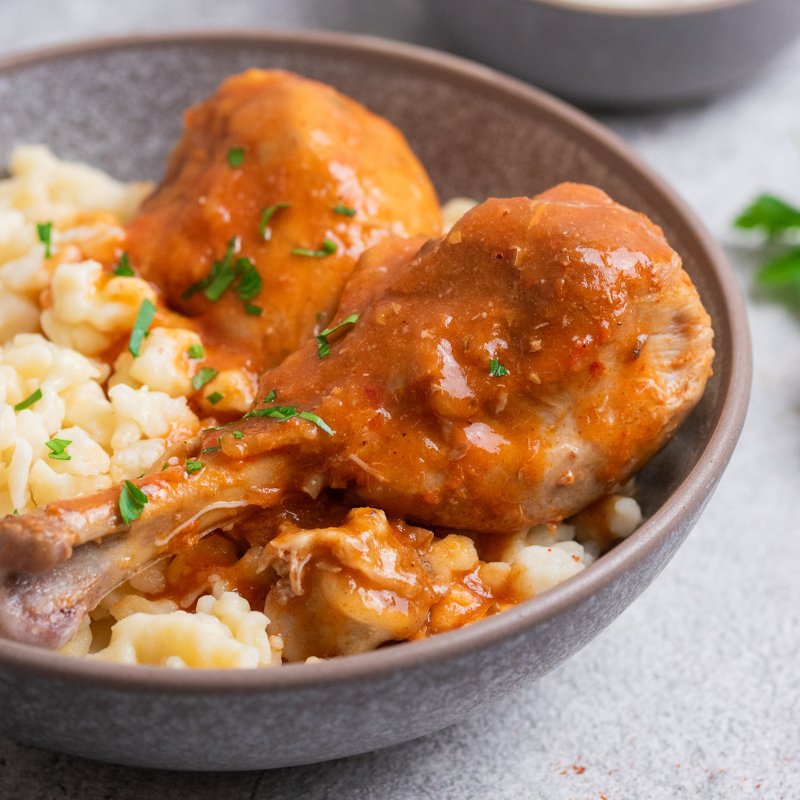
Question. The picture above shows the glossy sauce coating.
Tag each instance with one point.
(264, 139)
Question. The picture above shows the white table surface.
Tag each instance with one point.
(694, 692)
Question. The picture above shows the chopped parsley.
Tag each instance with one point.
(283, 413)
(44, 230)
(235, 157)
(215, 397)
(271, 395)
(327, 248)
(58, 449)
(29, 401)
(323, 343)
(196, 352)
(242, 275)
(266, 216)
(344, 210)
(218, 269)
(238, 435)
(203, 376)
(132, 501)
(249, 283)
(144, 319)
(123, 267)
(214, 449)
(496, 369)
(193, 465)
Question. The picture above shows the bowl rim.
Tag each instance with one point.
(690, 494)
(588, 7)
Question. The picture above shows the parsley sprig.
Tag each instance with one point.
(323, 337)
(780, 221)
(123, 267)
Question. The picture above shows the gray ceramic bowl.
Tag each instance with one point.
(605, 55)
(118, 106)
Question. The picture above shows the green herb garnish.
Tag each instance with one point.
(345, 211)
(770, 214)
(238, 435)
(271, 395)
(58, 449)
(215, 397)
(29, 400)
(249, 283)
(193, 465)
(44, 230)
(222, 275)
(266, 216)
(253, 310)
(235, 157)
(144, 319)
(496, 369)
(214, 449)
(323, 343)
(132, 501)
(123, 267)
(196, 352)
(203, 376)
(327, 248)
(778, 219)
(218, 268)
(284, 413)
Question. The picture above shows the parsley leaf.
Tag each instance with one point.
(196, 351)
(496, 369)
(29, 400)
(327, 248)
(193, 465)
(266, 216)
(215, 397)
(253, 310)
(235, 157)
(783, 270)
(123, 267)
(144, 319)
(214, 449)
(344, 210)
(323, 344)
(271, 395)
(132, 501)
(222, 274)
(203, 376)
(238, 435)
(58, 449)
(771, 214)
(44, 230)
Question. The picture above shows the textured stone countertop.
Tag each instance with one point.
(692, 692)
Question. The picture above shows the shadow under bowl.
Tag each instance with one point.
(118, 106)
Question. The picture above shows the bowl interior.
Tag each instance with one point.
(119, 108)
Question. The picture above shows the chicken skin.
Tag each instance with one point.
(504, 375)
(281, 182)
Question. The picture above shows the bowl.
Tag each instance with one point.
(622, 53)
(117, 104)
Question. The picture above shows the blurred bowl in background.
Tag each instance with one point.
(623, 53)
